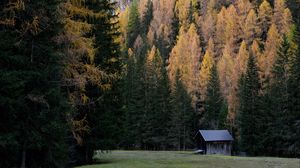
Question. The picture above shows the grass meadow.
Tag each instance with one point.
(174, 159)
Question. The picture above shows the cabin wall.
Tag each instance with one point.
(223, 148)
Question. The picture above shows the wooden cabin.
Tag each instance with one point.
(214, 141)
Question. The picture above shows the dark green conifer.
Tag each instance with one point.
(249, 87)
(214, 102)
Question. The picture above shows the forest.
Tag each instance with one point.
(81, 76)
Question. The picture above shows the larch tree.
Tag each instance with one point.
(185, 57)
(225, 69)
(208, 26)
(287, 20)
(243, 8)
(89, 71)
(123, 23)
(251, 28)
(266, 62)
(161, 31)
(205, 70)
(233, 31)
(256, 3)
(278, 17)
(220, 32)
(184, 11)
(265, 15)
(240, 65)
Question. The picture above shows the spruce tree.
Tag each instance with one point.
(90, 73)
(156, 101)
(294, 90)
(249, 87)
(182, 124)
(104, 119)
(133, 24)
(133, 95)
(32, 123)
(147, 17)
(213, 102)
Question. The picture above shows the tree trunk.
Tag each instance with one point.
(23, 163)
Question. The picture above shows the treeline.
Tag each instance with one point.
(59, 77)
(212, 64)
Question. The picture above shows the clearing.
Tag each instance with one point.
(171, 159)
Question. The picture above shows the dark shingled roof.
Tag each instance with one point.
(216, 135)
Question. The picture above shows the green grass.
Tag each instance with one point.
(167, 159)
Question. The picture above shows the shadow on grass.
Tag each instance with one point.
(101, 161)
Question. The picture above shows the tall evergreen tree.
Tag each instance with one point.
(106, 112)
(294, 90)
(32, 122)
(249, 86)
(147, 17)
(91, 67)
(133, 95)
(181, 124)
(283, 95)
(133, 28)
(156, 101)
(214, 119)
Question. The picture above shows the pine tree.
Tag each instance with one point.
(249, 87)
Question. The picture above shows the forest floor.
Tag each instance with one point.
(171, 159)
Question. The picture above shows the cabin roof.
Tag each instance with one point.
(215, 135)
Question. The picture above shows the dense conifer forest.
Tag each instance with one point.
(78, 76)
